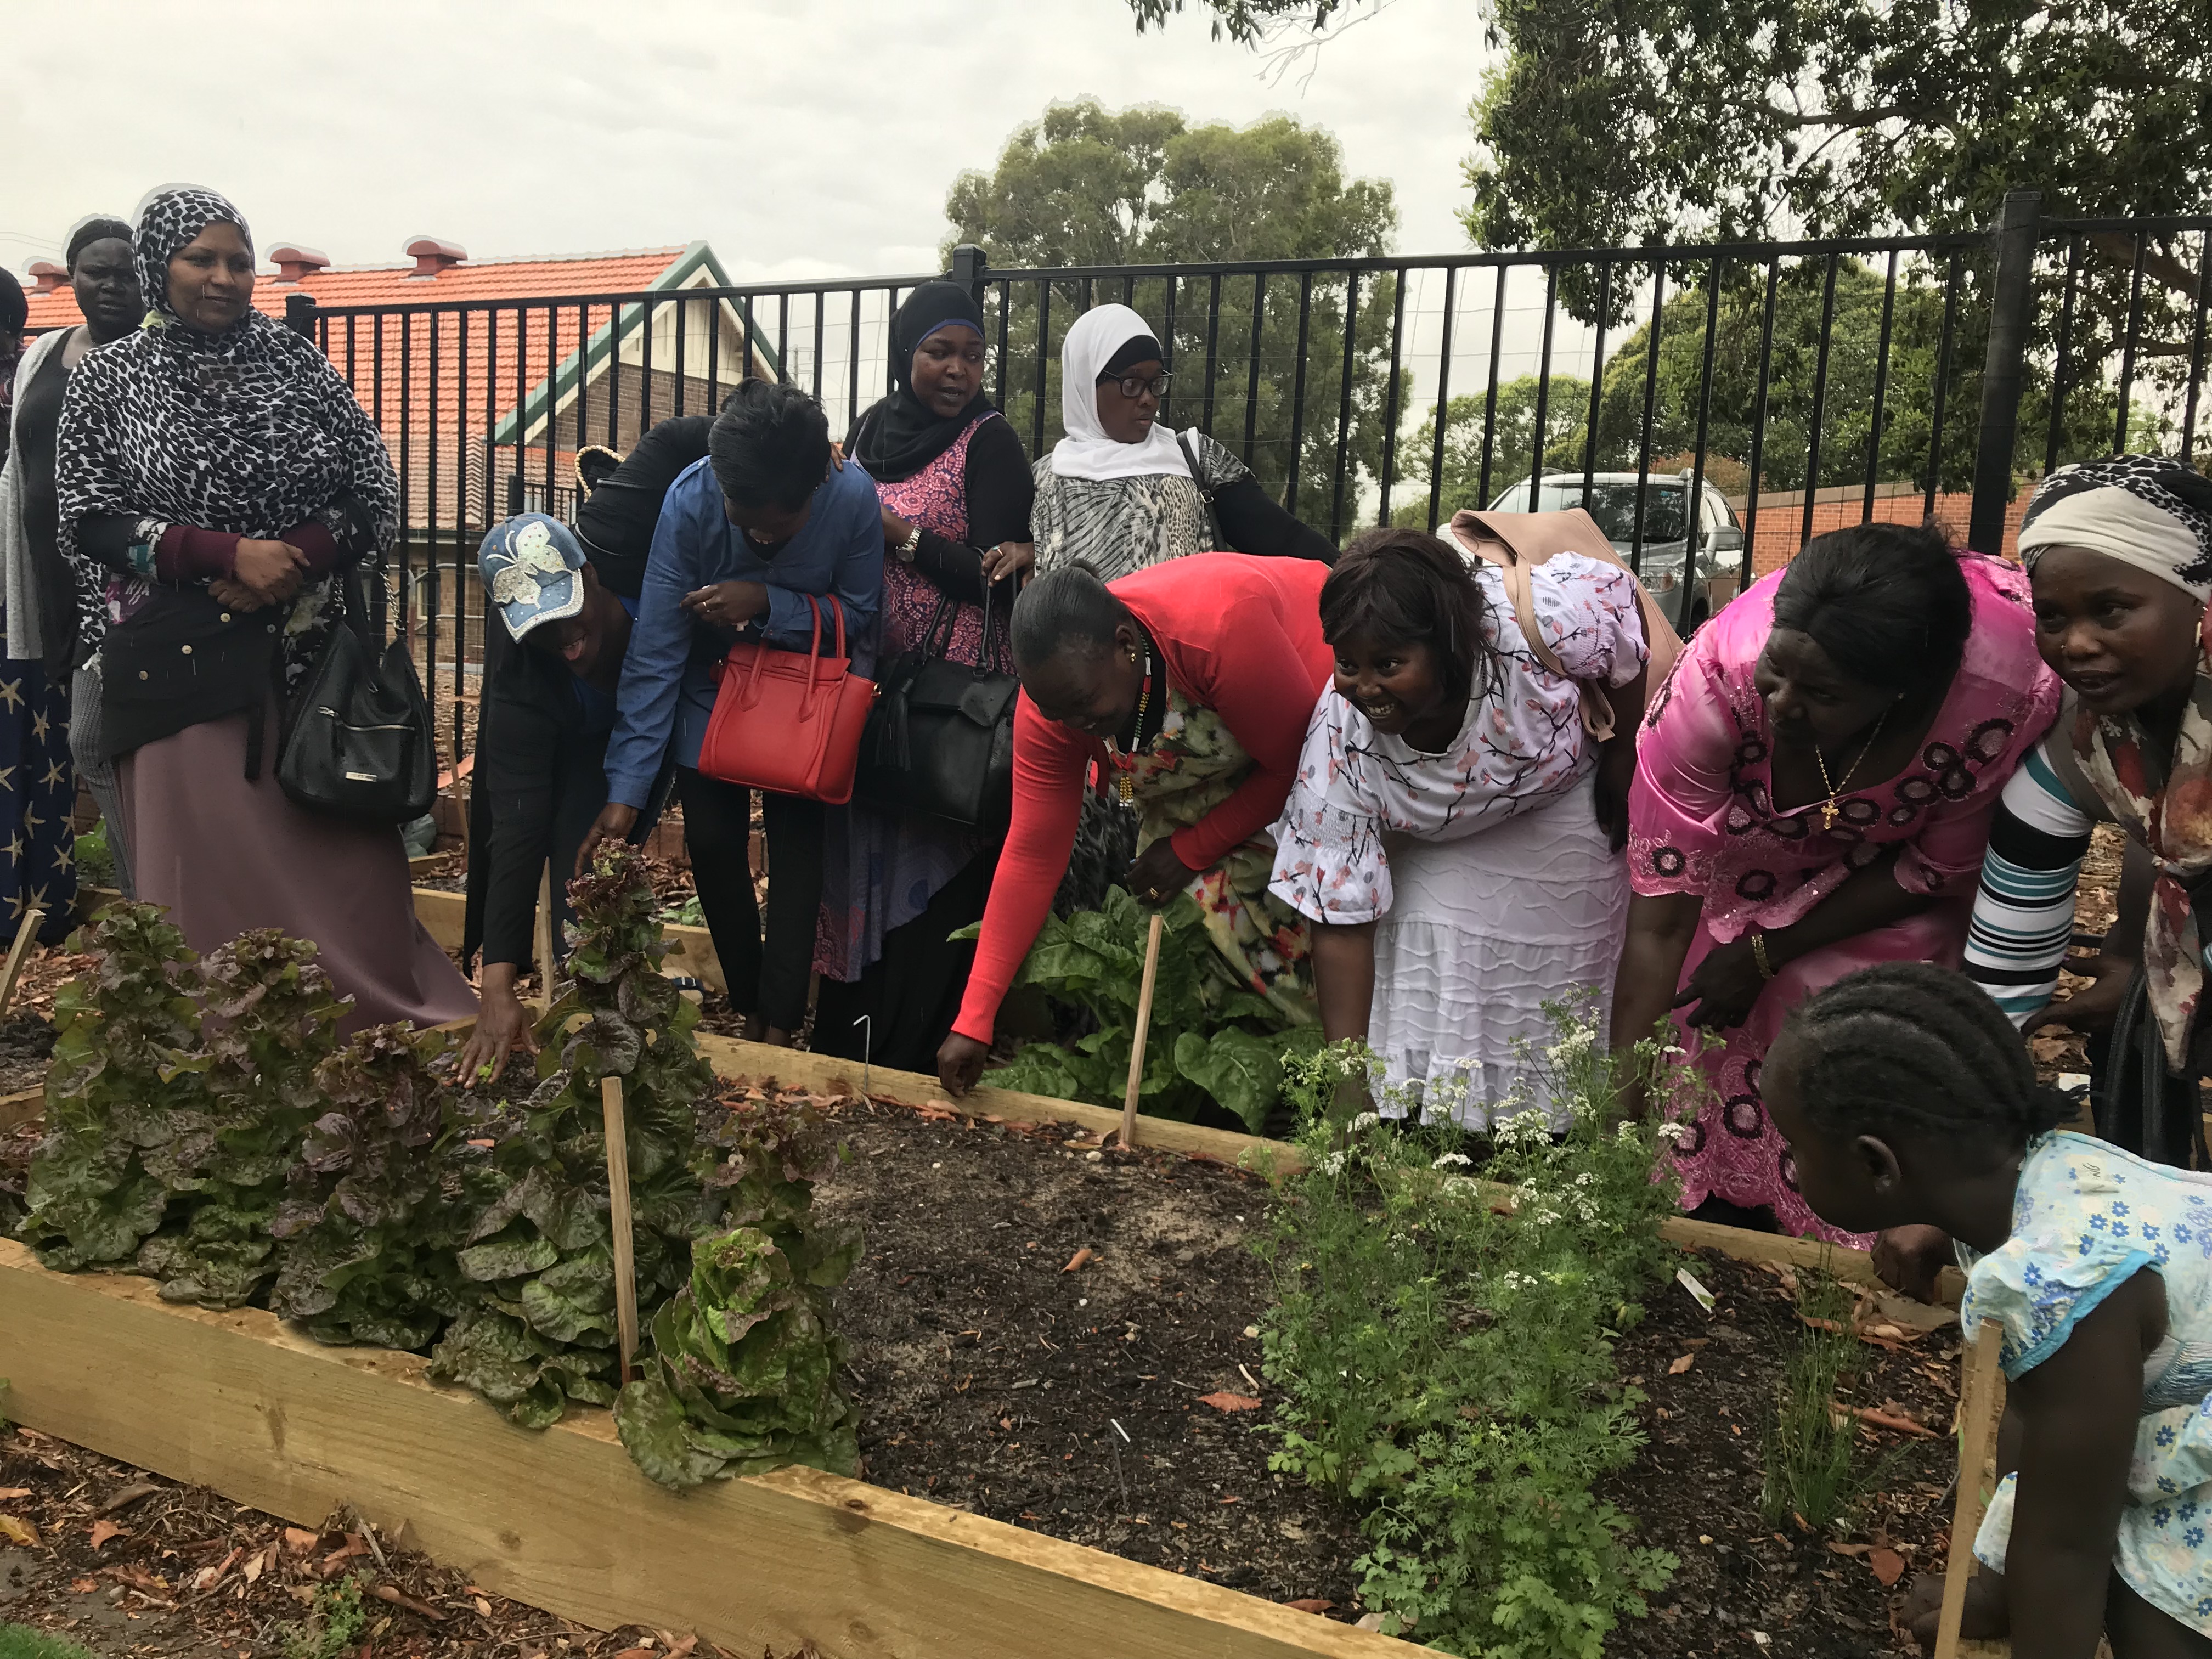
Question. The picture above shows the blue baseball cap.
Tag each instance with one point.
(532, 567)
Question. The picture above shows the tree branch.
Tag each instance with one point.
(1847, 117)
(2169, 270)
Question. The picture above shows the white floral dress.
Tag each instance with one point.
(1483, 866)
(2086, 1217)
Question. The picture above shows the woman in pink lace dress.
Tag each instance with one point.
(956, 489)
(1814, 790)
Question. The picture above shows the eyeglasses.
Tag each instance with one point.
(1134, 387)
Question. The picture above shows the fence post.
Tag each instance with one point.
(300, 313)
(967, 267)
(2012, 308)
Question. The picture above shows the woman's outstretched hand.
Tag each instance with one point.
(960, 1061)
(1724, 986)
(1158, 875)
(614, 822)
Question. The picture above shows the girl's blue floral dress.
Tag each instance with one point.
(2085, 1216)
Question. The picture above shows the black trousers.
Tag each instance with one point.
(768, 978)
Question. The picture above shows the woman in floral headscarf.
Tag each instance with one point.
(214, 475)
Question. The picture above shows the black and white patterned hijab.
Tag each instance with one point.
(2143, 510)
(250, 430)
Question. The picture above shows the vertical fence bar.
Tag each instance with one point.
(1212, 348)
(1298, 394)
(1167, 345)
(1489, 396)
(2196, 348)
(1252, 387)
(552, 402)
(487, 514)
(2056, 425)
(1759, 424)
(1693, 504)
(1344, 403)
(2012, 305)
(1597, 379)
(1443, 392)
(2128, 343)
(1651, 396)
(1005, 306)
(1942, 384)
(1820, 397)
(1543, 391)
(852, 363)
(460, 522)
(1390, 391)
(1044, 364)
(682, 354)
(821, 299)
(407, 472)
(432, 544)
(782, 343)
(614, 372)
(1880, 389)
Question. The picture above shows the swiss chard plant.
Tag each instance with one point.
(112, 1103)
(540, 1254)
(272, 1020)
(1209, 1039)
(743, 1376)
(1444, 1356)
(373, 1209)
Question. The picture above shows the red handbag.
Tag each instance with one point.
(787, 723)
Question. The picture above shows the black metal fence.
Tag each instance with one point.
(1731, 400)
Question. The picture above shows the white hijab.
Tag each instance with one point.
(1086, 452)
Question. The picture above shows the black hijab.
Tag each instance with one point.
(898, 436)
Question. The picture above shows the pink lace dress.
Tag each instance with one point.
(1702, 821)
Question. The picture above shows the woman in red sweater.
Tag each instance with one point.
(1190, 685)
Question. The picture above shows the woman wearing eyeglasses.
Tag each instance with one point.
(1121, 492)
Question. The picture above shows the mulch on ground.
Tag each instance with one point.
(1744, 1588)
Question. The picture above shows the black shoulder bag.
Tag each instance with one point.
(939, 741)
(1214, 542)
(356, 742)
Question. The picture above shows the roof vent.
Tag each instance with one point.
(50, 275)
(432, 256)
(294, 263)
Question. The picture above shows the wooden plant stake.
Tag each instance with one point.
(611, 1103)
(1144, 1025)
(545, 937)
(1977, 1438)
(21, 948)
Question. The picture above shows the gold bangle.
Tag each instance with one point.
(1758, 956)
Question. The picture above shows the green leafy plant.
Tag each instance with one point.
(334, 1625)
(114, 1108)
(368, 1231)
(21, 1641)
(272, 1021)
(95, 859)
(1210, 1039)
(541, 1252)
(1809, 1465)
(1443, 1349)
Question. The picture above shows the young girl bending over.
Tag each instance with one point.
(1907, 1097)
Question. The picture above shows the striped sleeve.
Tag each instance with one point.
(2023, 917)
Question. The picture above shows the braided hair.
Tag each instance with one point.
(1913, 1047)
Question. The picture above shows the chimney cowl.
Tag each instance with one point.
(50, 274)
(294, 261)
(432, 256)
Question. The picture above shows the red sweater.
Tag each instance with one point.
(1237, 635)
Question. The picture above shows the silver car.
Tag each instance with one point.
(1612, 502)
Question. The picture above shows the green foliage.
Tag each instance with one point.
(111, 1102)
(1087, 186)
(744, 1373)
(1513, 448)
(334, 1625)
(1209, 1037)
(541, 1251)
(21, 1641)
(367, 1233)
(1809, 1470)
(273, 1020)
(1447, 1367)
(95, 860)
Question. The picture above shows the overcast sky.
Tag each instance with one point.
(801, 138)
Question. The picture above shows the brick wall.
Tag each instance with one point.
(1779, 531)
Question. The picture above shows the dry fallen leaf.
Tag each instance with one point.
(1077, 1260)
(128, 1496)
(637, 1653)
(482, 1607)
(1311, 1604)
(1888, 1566)
(2047, 1049)
(299, 1541)
(22, 1532)
(104, 1530)
(400, 1598)
(1849, 1549)
(9, 1494)
(1226, 1402)
(1682, 1365)
(84, 1586)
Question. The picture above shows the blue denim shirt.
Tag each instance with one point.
(666, 683)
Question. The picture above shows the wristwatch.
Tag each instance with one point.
(907, 549)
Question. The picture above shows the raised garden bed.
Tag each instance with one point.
(988, 1378)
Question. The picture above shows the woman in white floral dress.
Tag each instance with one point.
(1452, 832)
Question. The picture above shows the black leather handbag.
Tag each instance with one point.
(356, 742)
(939, 741)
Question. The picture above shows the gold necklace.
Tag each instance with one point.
(1137, 732)
(1828, 807)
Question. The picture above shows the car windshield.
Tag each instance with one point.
(1613, 507)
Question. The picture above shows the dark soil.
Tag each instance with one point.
(26, 1041)
(1695, 1488)
(992, 1372)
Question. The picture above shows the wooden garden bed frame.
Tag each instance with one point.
(242, 1404)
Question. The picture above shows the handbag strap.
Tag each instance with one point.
(1597, 706)
(1204, 490)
